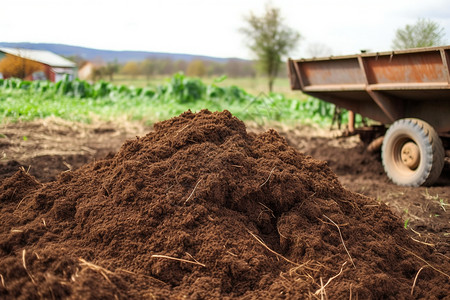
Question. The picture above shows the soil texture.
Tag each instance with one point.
(201, 207)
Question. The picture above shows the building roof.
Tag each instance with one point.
(42, 56)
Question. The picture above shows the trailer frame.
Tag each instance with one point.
(383, 86)
(407, 90)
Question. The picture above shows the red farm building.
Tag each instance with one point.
(35, 65)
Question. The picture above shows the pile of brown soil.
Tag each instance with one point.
(198, 209)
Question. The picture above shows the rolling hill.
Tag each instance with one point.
(107, 55)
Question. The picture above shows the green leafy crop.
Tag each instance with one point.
(80, 100)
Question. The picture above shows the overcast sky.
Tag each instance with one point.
(211, 27)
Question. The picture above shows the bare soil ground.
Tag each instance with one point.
(51, 146)
(200, 208)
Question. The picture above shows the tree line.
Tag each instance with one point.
(155, 67)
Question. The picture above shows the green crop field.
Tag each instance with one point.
(252, 85)
(81, 101)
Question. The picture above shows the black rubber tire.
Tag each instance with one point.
(430, 148)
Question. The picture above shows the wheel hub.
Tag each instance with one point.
(410, 155)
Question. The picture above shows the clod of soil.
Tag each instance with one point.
(197, 209)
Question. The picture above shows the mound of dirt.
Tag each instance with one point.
(199, 208)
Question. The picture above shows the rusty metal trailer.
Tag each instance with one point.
(408, 90)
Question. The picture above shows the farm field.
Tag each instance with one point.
(80, 100)
(206, 206)
(55, 149)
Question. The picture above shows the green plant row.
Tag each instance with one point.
(80, 100)
(72, 88)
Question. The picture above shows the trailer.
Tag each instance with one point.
(408, 91)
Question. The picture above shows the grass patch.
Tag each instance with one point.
(441, 201)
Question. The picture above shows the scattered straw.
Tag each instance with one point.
(231, 253)
(96, 268)
(20, 202)
(443, 255)
(188, 254)
(415, 279)
(68, 166)
(179, 259)
(427, 244)
(192, 193)
(423, 260)
(13, 194)
(270, 174)
(2, 280)
(342, 239)
(322, 288)
(182, 129)
(418, 233)
(279, 232)
(25, 266)
(73, 277)
(267, 209)
(23, 199)
(23, 169)
(126, 271)
(265, 246)
(301, 271)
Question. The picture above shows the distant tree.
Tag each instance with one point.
(19, 67)
(158, 66)
(233, 68)
(249, 69)
(214, 68)
(168, 66)
(424, 33)
(96, 73)
(110, 69)
(270, 40)
(196, 68)
(148, 68)
(180, 66)
(131, 68)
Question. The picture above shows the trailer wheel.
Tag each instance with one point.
(412, 153)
